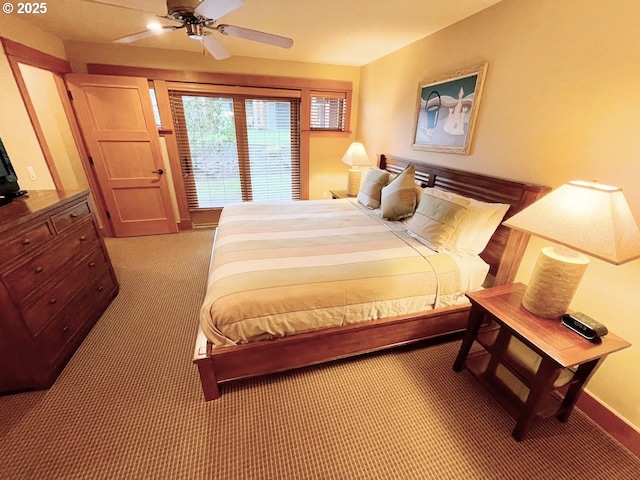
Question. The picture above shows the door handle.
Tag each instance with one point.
(159, 171)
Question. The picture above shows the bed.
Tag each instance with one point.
(319, 292)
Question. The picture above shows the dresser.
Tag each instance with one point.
(56, 280)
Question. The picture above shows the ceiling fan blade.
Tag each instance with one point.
(214, 9)
(214, 47)
(255, 35)
(146, 34)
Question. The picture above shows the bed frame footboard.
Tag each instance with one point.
(206, 369)
(219, 365)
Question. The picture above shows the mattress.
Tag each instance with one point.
(284, 268)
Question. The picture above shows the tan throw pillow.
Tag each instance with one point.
(371, 188)
(399, 197)
(436, 219)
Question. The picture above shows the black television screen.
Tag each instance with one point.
(9, 187)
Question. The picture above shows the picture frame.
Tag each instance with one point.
(446, 110)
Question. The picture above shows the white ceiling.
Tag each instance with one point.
(339, 32)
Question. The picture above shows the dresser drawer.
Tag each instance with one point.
(71, 216)
(26, 242)
(26, 278)
(40, 310)
(55, 341)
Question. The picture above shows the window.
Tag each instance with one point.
(328, 111)
(236, 148)
(154, 105)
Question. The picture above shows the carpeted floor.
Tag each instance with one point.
(129, 405)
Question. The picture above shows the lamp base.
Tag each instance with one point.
(354, 181)
(554, 281)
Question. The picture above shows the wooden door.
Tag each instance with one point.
(119, 129)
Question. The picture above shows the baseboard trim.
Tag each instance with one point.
(610, 422)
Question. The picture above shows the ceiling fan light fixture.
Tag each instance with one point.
(194, 31)
(155, 26)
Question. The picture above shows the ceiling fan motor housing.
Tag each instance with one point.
(182, 10)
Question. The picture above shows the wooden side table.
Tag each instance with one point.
(535, 367)
(336, 194)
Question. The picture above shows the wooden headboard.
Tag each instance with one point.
(505, 249)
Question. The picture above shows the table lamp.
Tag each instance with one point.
(582, 218)
(355, 156)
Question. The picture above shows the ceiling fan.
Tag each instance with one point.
(199, 20)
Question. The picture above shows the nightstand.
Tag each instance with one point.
(335, 194)
(535, 367)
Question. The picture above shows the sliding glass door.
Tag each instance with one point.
(236, 148)
(210, 154)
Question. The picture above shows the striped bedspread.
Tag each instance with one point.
(283, 268)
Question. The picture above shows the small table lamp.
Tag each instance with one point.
(582, 217)
(355, 157)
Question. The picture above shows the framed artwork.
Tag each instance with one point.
(446, 111)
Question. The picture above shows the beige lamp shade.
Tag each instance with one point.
(586, 217)
(356, 156)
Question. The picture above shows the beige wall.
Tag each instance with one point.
(16, 130)
(44, 95)
(16, 29)
(560, 102)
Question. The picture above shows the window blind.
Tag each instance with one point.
(328, 111)
(273, 148)
(237, 148)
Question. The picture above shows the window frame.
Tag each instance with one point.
(342, 111)
(238, 96)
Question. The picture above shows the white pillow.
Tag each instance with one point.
(419, 191)
(475, 230)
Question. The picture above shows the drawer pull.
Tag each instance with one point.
(100, 288)
(26, 241)
(53, 301)
(65, 329)
(74, 215)
(92, 264)
(39, 270)
(83, 238)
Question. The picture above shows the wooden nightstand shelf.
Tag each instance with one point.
(535, 367)
(336, 194)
